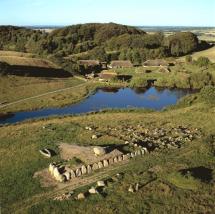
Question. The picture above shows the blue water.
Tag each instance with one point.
(152, 98)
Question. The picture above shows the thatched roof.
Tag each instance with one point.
(156, 62)
(164, 70)
(107, 74)
(121, 64)
(89, 62)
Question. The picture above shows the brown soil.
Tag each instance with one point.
(45, 177)
(84, 153)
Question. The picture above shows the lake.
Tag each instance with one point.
(151, 98)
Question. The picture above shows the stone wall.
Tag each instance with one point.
(65, 174)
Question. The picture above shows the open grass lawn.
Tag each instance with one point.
(13, 88)
(163, 189)
(210, 53)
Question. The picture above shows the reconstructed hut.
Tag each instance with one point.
(106, 75)
(121, 64)
(89, 62)
(156, 63)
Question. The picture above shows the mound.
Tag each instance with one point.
(84, 153)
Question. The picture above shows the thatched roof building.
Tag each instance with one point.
(89, 62)
(107, 75)
(156, 63)
(121, 64)
(164, 69)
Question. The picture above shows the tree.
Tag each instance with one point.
(182, 43)
(159, 36)
(200, 79)
(123, 54)
(136, 59)
(208, 93)
(99, 54)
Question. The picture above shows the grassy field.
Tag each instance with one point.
(13, 88)
(207, 34)
(163, 188)
(24, 59)
(210, 53)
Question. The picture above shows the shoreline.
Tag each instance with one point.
(58, 111)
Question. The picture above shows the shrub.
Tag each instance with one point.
(139, 82)
(188, 59)
(114, 79)
(200, 79)
(208, 94)
(203, 61)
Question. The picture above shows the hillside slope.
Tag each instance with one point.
(25, 59)
(24, 64)
(209, 53)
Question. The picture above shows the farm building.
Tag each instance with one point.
(106, 75)
(163, 69)
(93, 63)
(121, 64)
(89, 63)
(156, 63)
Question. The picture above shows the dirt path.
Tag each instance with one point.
(44, 94)
(21, 207)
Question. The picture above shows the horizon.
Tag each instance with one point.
(146, 26)
(177, 13)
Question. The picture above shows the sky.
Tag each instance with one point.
(129, 12)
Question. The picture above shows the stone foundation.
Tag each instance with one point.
(68, 174)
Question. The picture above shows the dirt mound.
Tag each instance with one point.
(84, 153)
